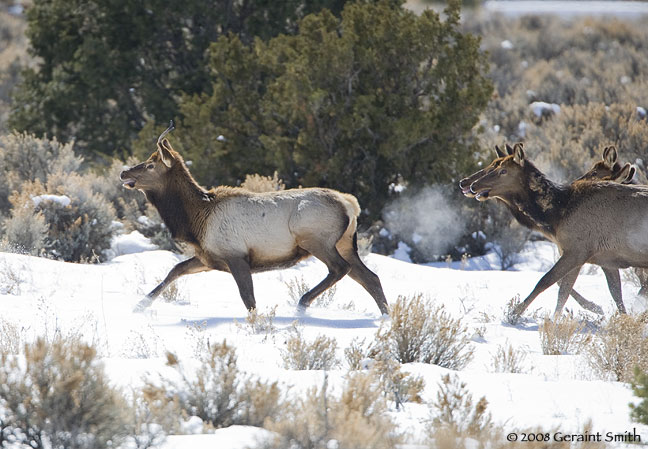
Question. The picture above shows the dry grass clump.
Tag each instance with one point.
(260, 323)
(397, 386)
(458, 422)
(563, 335)
(216, 391)
(421, 332)
(59, 397)
(510, 311)
(297, 287)
(455, 415)
(11, 337)
(299, 354)
(619, 347)
(11, 278)
(259, 183)
(508, 359)
(356, 419)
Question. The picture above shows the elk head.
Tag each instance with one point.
(623, 176)
(149, 175)
(605, 168)
(502, 178)
(465, 183)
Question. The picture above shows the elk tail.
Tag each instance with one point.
(353, 210)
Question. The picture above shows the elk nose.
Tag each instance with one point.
(121, 175)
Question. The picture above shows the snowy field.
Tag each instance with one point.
(554, 392)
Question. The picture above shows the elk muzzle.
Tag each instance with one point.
(464, 185)
(479, 194)
(127, 181)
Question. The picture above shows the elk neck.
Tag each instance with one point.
(541, 204)
(183, 205)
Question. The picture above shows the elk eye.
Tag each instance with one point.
(502, 171)
(150, 166)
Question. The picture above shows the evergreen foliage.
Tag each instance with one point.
(106, 68)
(639, 411)
(378, 97)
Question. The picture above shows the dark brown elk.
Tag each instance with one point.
(607, 167)
(603, 223)
(241, 232)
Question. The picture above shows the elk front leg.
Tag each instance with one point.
(240, 269)
(189, 266)
(564, 265)
(565, 288)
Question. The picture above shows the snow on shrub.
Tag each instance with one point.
(78, 223)
(24, 157)
(58, 396)
(421, 332)
(357, 418)
(303, 355)
(216, 391)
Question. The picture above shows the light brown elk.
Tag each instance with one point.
(241, 232)
(602, 223)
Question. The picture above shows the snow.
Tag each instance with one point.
(522, 127)
(402, 252)
(63, 200)
(133, 242)
(539, 107)
(554, 392)
(619, 9)
(506, 44)
(234, 437)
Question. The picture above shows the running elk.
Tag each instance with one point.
(602, 222)
(607, 167)
(241, 232)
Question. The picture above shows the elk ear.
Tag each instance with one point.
(165, 152)
(518, 154)
(499, 152)
(625, 175)
(610, 156)
(509, 150)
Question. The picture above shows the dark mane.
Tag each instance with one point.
(541, 204)
(181, 206)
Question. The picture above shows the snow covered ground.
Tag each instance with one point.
(555, 392)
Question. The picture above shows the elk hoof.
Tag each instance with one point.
(301, 309)
(597, 309)
(143, 305)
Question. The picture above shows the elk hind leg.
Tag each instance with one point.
(367, 278)
(586, 304)
(337, 266)
(614, 285)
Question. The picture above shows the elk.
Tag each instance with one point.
(598, 222)
(607, 169)
(237, 231)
